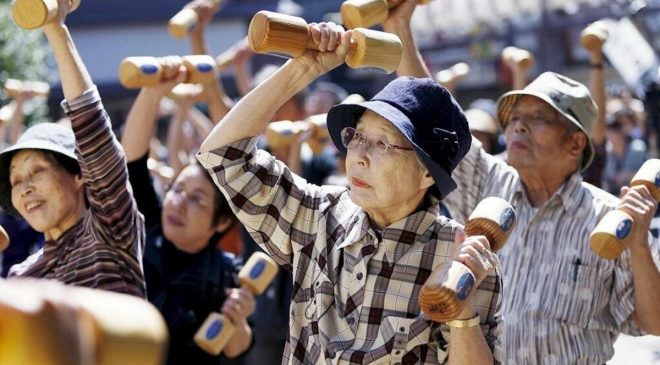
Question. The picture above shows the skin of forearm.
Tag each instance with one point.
(597, 88)
(140, 124)
(251, 115)
(73, 73)
(412, 63)
(240, 341)
(468, 347)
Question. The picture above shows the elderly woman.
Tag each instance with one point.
(73, 187)
(359, 257)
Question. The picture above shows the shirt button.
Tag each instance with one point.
(359, 276)
(351, 320)
(331, 354)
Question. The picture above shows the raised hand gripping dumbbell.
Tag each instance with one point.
(609, 238)
(289, 35)
(33, 14)
(217, 330)
(443, 294)
(367, 13)
(14, 88)
(136, 72)
(185, 21)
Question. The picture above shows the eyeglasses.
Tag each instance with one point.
(351, 138)
(532, 121)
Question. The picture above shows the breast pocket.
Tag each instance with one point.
(580, 294)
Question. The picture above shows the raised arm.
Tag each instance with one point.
(141, 119)
(214, 94)
(101, 159)
(250, 116)
(398, 22)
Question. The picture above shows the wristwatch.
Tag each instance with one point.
(464, 323)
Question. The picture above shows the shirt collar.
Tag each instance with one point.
(569, 193)
(418, 222)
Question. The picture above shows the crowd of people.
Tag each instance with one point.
(357, 199)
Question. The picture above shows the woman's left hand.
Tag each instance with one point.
(239, 304)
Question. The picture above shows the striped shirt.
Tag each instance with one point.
(563, 304)
(104, 249)
(355, 288)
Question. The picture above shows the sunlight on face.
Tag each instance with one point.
(392, 185)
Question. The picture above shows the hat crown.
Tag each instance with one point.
(437, 123)
(50, 133)
(568, 95)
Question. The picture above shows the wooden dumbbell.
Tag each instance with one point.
(4, 239)
(45, 322)
(32, 14)
(450, 77)
(594, 36)
(367, 13)
(320, 134)
(136, 72)
(609, 238)
(226, 58)
(256, 275)
(443, 295)
(14, 88)
(284, 132)
(519, 57)
(289, 35)
(184, 21)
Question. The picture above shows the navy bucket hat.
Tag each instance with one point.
(427, 116)
(43, 136)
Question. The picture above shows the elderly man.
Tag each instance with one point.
(360, 257)
(563, 304)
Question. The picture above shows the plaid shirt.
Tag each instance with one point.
(355, 288)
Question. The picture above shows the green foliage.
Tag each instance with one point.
(24, 56)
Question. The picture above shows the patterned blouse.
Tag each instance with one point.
(355, 288)
(104, 249)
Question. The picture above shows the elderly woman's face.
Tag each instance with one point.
(393, 183)
(47, 196)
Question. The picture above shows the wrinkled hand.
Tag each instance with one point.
(638, 202)
(173, 73)
(239, 304)
(205, 10)
(333, 43)
(474, 252)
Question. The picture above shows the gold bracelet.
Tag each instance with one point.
(464, 323)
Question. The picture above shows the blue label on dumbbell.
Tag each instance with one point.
(204, 67)
(149, 69)
(657, 180)
(507, 218)
(623, 229)
(214, 329)
(464, 286)
(257, 269)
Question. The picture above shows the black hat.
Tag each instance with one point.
(426, 114)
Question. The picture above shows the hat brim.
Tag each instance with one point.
(5, 159)
(506, 102)
(347, 115)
